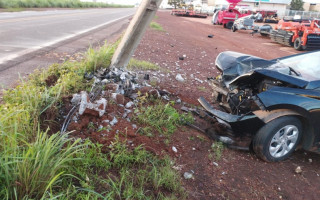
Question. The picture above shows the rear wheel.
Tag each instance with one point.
(276, 140)
(297, 44)
(229, 25)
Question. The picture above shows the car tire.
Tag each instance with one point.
(234, 28)
(229, 25)
(297, 44)
(277, 139)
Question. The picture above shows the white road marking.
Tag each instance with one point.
(30, 50)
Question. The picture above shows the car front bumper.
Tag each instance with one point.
(237, 131)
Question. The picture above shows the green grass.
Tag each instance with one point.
(55, 4)
(156, 26)
(126, 174)
(135, 64)
(161, 117)
(217, 149)
(35, 168)
(201, 138)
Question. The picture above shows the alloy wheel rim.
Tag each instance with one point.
(283, 141)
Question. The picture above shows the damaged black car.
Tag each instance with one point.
(270, 106)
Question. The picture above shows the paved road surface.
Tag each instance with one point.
(23, 32)
(24, 35)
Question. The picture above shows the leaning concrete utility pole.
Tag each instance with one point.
(134, 33)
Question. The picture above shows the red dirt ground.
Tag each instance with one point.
(239, 175)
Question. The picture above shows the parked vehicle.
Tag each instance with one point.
(272, 106)
(227, 16)
(301, 34)
(188, 11)
(268, 16)
(247, 23)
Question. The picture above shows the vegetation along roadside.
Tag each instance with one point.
(9, 4)
(38, 164)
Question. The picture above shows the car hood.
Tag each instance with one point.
(233, 64)
(236, 67)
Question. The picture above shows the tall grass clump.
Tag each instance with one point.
(56, 4)
(35, 168)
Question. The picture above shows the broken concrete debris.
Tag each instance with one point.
(129, 104)
(188, 175)
(114, 121)
(215, 164)
(174, 149)
(179, 78)
(200, 81)
(99, 105)
(298, 170)
(116, 85)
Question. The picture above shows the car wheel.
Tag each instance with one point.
(234, 28)
(297, 44)
(276, 140)
(229, 25)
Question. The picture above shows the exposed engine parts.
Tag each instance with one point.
(242, 99)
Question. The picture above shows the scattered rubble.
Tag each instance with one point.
(129, 104)
(298, 170)
(179, 78)
(114, 121)
(85, 104)
(188, 175)
(200, 81)
(174, 149)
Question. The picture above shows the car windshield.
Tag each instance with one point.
(308, 65)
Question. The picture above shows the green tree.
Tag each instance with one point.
(175, 3)
(297, 5)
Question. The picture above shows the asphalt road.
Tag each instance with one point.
(22, 32)
(24, 35)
